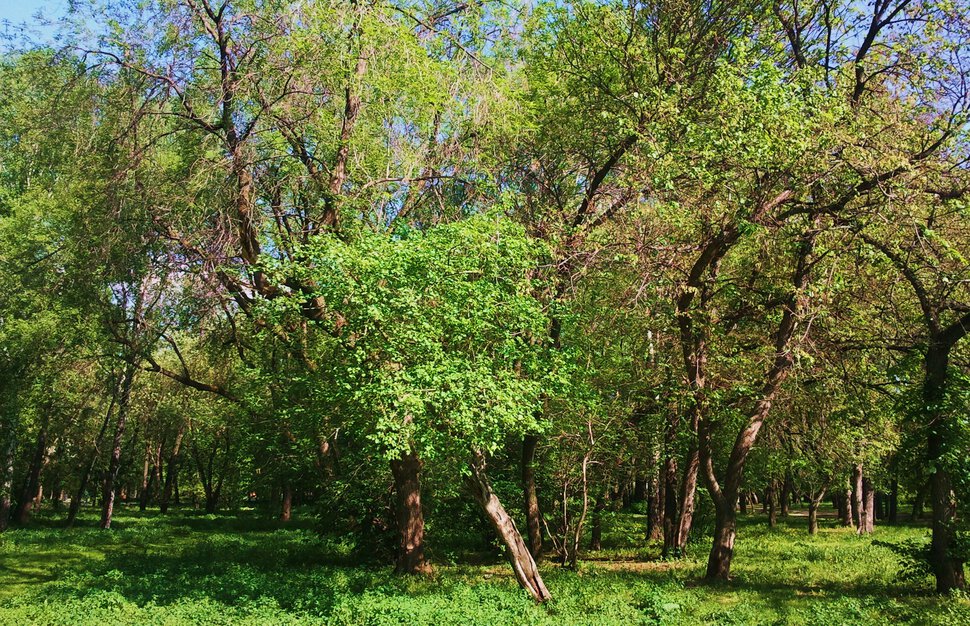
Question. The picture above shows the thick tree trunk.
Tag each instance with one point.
(524, 566)
(530, 505)
(725, 530)
(114, 463)
(410, 516)
(171, 472)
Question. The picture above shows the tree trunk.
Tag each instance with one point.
(410, 517)
(947, 567)
(688, 492)
(893, 516)
(725, 529)
(920, 500)
(518, 554)
(868, 504)
(171, 472)
(286, 510)
(6, 487)
(655, 515)
(845, 508)
(596, 532)
(108, 491)
(785, 500)
(858, 511)
(32, 481)
(670, 515)
(530, 505)
(815, 499)
(770, 503)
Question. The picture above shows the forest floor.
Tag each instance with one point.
(238, 569)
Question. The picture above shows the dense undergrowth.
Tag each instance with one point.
(240, 569)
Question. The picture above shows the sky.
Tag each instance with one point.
(15, 13)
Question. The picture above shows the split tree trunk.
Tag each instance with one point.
(410, 516)
(524, 566)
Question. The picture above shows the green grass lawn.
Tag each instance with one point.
(189, 569)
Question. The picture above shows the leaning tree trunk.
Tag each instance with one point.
(530, 505)
(688, 490)
(524, 566)
(108, 491)
(410, 516)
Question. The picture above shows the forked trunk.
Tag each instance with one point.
(410, 516)
(814, 502)
(524, 566)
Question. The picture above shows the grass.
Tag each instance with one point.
(239, 569)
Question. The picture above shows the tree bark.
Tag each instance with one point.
(32, 481)
(6, 487)
(858, 512)
(410, 516)
(171, 472)
(786, 489)
(815, 500)
(286, 509)
(655, 515)
(770, 503)
(524, 566)
(596, 531)
(868, 504)
(114, 463)
(947, 567)
(533, 521)
(725, 530)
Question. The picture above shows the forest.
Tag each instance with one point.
(486, 311)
